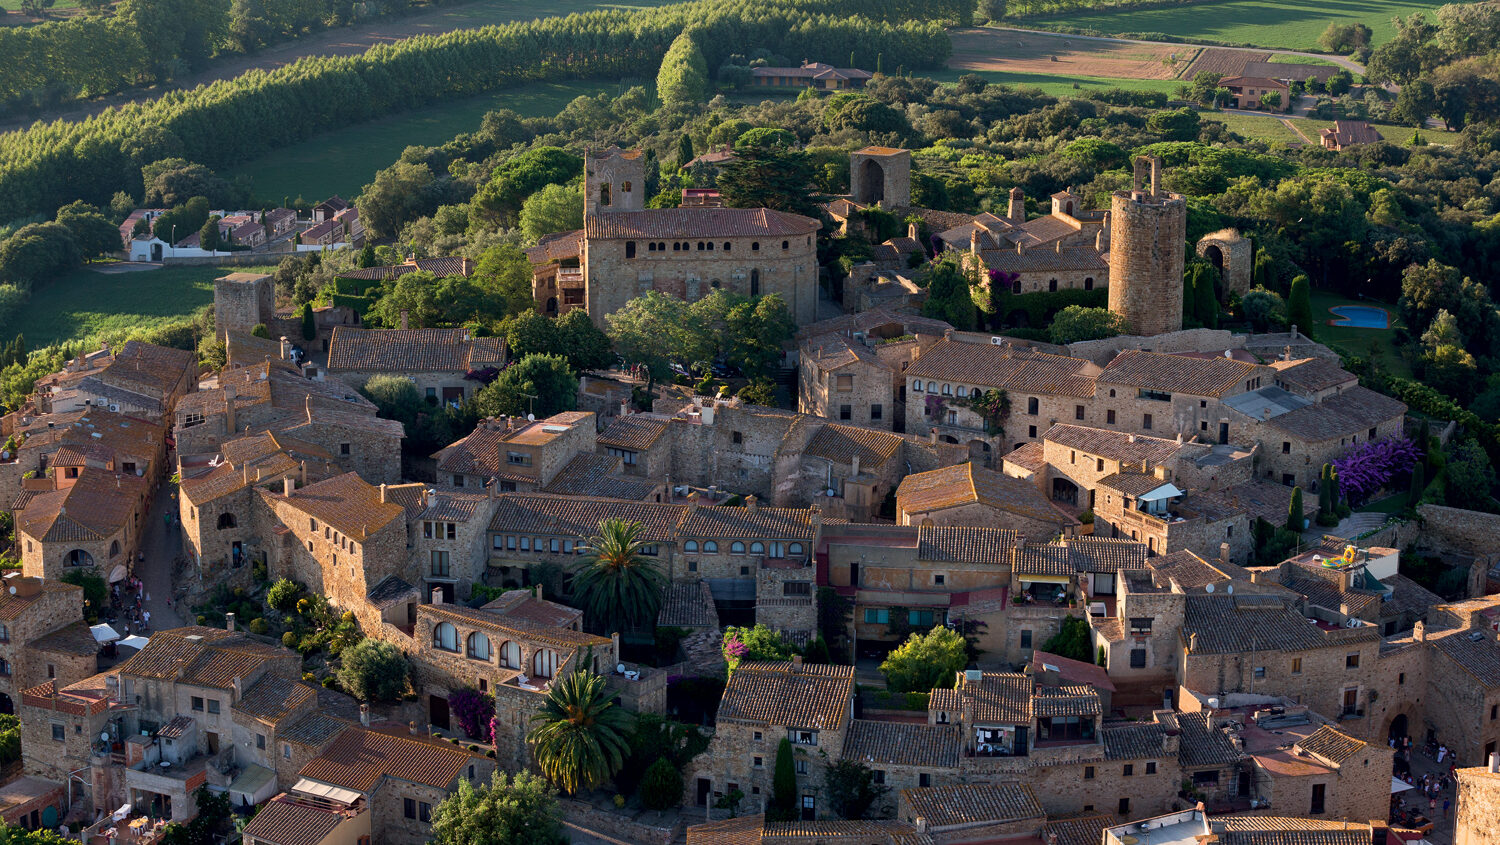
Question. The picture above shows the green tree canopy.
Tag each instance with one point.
(373, 670)
(1299, 306)
(517, 810)
(1076, 323)
(585, 344)
(555, 208)
(518, 178)
(505, 275)
(852, 790)
(925, 661)
(1071, 640)
(530, 333)
(683, 77)
(91, 230)
(539, 384)
(579, 736)
(768, 177)
(619, 587)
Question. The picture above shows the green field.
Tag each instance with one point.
(1264, 128)
(1294, 59)
(85, 302)
(1274, 24)
(1058, 84)
(343, 162)
(1359, 341)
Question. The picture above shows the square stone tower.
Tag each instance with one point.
(241, 300)
(881, 176)
(1147, 251)
(614, 180)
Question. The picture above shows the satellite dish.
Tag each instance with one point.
(104, 737)
(620, 667)
(1208, 588)
(1229, 588)
(12, 590)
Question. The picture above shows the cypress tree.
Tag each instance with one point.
(1424, 442)
(1207, 302)
(309, 326)
(1294, 517)
(1299, 305)
(783, 785)
(683, 77)
(684, 150)
(1325, 490)
(1418, 484)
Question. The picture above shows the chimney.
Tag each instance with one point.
(1192, 642)
(796, 663)
(383, 498)
(1020, 247)
(403, 320)
(1058, 246)
(614, 642)
(751, 503)
(932, 436)
(364, 715)
(229, 418)
(229, 624)
(288, 484)
(412, 726)
(286, 348)
(692, 500)
(921, 824)
(815, 513)
(911, 231)
(1294, 331)
(1494, 764)
(624, 407)
(974, 241)
(854, 466)
(1380, 832)
(1099, 239)
(302, 473)
(1265, 413)
(494, 487)
(1224, 553)
(1419, 634)
(437, 595)
(537, 591)
(1017, 213)
(238, 686)
(466, 266)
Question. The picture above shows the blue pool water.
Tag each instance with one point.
(1361, 317)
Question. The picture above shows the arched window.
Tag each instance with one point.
(510, 655)
(226, 520)
(114, 549)
(700, 246)
(710, 246)
(794, 549)
(916, 385)
(727, 245)
(79, 557)
(604, 194)
(1088, 283)
(755, 283)
(544, 663)
(736, 548)
(947, 390)
(479, 646)
(676, 246)
(710, 547)
(1015, 287)
(932, 387)
(757, 548)
(1052, 285)
(755, 246)
(715, 284)
(651, 247)
(786, 244)
(445, 637)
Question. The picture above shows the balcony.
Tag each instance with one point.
(570, 277)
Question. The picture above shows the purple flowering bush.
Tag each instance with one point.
(1370, 466)
(474, 711)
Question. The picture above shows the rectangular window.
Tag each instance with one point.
(1316, 808)
(1151, 767)
(1088, 772)
(518, 459)
(846, 412)
(1129, 770)
(1077, 412)
(1124, 808)
(1031, 432)
(59, 733)
(796, 588)
(1260, 672)
(213, 705)
(759, 762)
(1025, 638)
(878, 776)
(260, 741)
(876, 412)
(458, 480)
(424, 812)
(198, 703)
(1137, 658)
(1351, 661)
(344, 448)
(1146, 421)
(801, 767)
(924, 779)
(877, 616)
(1140, 626)
(1286, 447)
(1296, 665)
(919, 618)
(804, 737)
(844, 383)
(440, 564)
(1109, 417)
(626, 456)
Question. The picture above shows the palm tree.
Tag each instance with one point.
(579, 736)
(619, 588)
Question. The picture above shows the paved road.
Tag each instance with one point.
(1352, 66)
(162, 546)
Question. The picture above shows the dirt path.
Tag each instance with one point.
(1292, 126)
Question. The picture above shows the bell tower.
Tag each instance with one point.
(614, 180)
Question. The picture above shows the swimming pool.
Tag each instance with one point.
(1361, 317)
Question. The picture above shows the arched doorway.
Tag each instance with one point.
(7, 707)
(1215, 256)
(872, 182)
(1064, 490)
(979, 452)
(78, 557)
(1398, 729)
(551, 306)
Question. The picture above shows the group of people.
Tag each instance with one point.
(128, 600)
(1436, 787)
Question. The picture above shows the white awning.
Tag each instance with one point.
(1045, 579)
(1398, 785)
(117, 574)
(135, 641)
(1166, 491)
(308, 786)
(103, 633)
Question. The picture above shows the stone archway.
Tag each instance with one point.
(1399, 727)
(1064, 490)
(871, 182)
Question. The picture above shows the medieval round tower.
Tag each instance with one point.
(1147, 246)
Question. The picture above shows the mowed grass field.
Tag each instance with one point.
(343, 162)
(1058, 84)
(85, 302)
(1272, 129)
(1274, 24)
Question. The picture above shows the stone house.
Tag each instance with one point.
(65, 444)
(297, 818)
(1246, 92)
(1164, 395)
(267, 398)
(1348, 133)
(91, 522)
(1478, 811)
(42, 637)
(972, 812)
(60, 730)
(1324, 773)
(1043, 389)
(603, 477)
(398, 778)
(636, 439)
(625, 249)
(523, 455)
(440, 362)
(449, 542)
(1065, 249)
(143, 380)
(903, 756)
(967, 494)
(1298, 436)
(272, 712)
(810, 706)
(850, 367)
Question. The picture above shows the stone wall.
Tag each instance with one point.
(1455, 529)
(1146, 260)
(241, 303)
(1317, 678)
(1478, 808)
(1101, 352)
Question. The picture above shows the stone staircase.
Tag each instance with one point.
(1356, 524)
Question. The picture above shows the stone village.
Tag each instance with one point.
(1231, 699)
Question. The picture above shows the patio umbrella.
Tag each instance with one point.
(135, 641)
(1398, 785)
(103, 633)
(117, 574)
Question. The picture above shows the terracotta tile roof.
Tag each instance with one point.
(832, 351)
(75, 639)
(391, 591)
(1346, 132)
(748, 523)
(556, 246)
(1322, 587)
(943, 699)
(860, 832)
(523, 607)
(697, 223)
(1311, 374)
(635, 433)
(273, 698)
(965, 544)
(285, 821)
(1332, 745)
(1409, 597)
(842, 443)
(1005, 367)
(98, 505)
(411, 350)
(313, 730)
(1226, 624)
(1274, 830)
(902, 744)
(177, 728)
(14, 605)
(1176, 373)
(1133, 742)
(1480, 659)
(1000, 698)
(1200, 747)
(1103, 554)
(875, 318)
(1131, 483)
(972, 804)
(598, 476)
(814, 696)
(448, 506)
(688, 604)
(564, 516)
(1351, 412)
(348, 503)
(452, 265)
(1065, 700)
(360, 758)
(744, 830)
(210, 657)
(1028, 456)
(1258, 499)
(249, 459)
(966, 484)
(1084, 829)
(147, 366)
(1189, 570)
(513, 627)
(1113, 445)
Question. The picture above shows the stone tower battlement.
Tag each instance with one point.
(614, 180)
(1147, 251)
(241, 300)
(881, 176)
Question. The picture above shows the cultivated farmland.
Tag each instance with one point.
(1221, 61)
(1010, 51)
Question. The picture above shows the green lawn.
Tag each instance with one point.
(1265, 128)
(1359, 341)
(1390, 504)
(343, 162)
(85, 303)
(1293, 59)
(1273, 24)
(1057, 84)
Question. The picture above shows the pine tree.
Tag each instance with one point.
(1294, 516)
